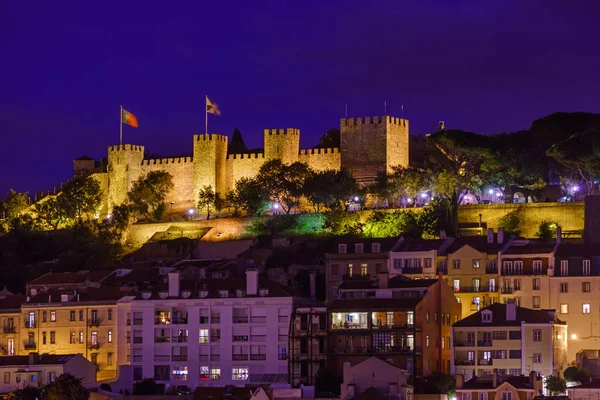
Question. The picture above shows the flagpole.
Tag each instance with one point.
(206, 114)
(121, 126)
(346, 109)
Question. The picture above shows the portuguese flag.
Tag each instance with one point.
(128, 118)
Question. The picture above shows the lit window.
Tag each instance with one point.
(564, 268)
(239, 374)
(427, 341)
(110, 336)
(586, 267)
(52, 316)
(536, 301)
(586, 308)
(179, 373)
(203, 338)
(564, 308)
(564, 287)
(363, 269)
(215, 374)
(537, 335)
(350, 268)
(476, 263)
(204, 373)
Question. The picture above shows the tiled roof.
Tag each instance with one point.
(57, 278)
(486, 382)
(499, 317)
(400, 282)
(44, 359)
(479, 243)
(530, 246)
(12, 302)
(385, 244)
(421, 245)
(85, 295)
(577, 249)
(374, 304)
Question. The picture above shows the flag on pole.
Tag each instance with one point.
(212, 108)
(128, 118)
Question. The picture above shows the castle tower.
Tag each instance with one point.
(283, 144)
(210, 153)
(372, 144)
(124, 167)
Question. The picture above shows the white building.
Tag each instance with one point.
(216, 334)
(374, 378)
(37, 370)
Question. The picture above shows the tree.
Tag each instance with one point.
(14, 204)
(209, 200)
(148, 387)
(27, 393)
(383, 189)
(547, 230)
(284, 183)
(511, 222)
(440, 383)
(555, 385)
(383, 224)
(574, 374)
(251, 196)
(581, 153)
(148, 194)
(51, 212)
(409, 182)
(331, 139)
(343, 223)
(81, 196)
(66, 387)
(331, 189)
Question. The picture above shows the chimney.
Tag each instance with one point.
(251, 281)
(173, 277)
(442, 234)
(495, 378)
(313, 285)
(460, 381)
(511, 310)
(558, 235)
(34, 358)
(383, 279)
(490, 237)
(500, 235)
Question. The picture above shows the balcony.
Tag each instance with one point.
(94, 346)
(258, 320)
(179, 357)
(412, 270)
(240, 320)
(179, 320)
(484, 343)
(29, 346)
(29, 324)
(258, 338)
(138, 340)
(464, 343)
(464, 362)
(215, 320)
(491, 270)
(215, 357)
(282, 357)
(239, 357)
(395, 326)
(203, 357)
(507, 272)
(162, 357)
(475, 289)
(179, 339)
(161, 339)
(162, 321)
(397, 349)
(282, 338)
(94, 322)
(485, 362)
(9, 329)
(258, 357)
(507, 290)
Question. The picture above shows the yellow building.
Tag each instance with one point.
(10, 321)
(80, 321)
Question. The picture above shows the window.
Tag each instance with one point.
(564, 287)
(499, 335)
(110, 314)
(427, 317)
(536, 301)
(585, 287)
(7, 377)
(203, 338)
(51, 376)
(109, 358)
(564, 308)
(94, 359)
(514, 354)
(443, 343)
(518, 267)
(363, 269)
(483, 396)
(486, 317)
(239, 374)
(80, 315)
(537, 335)
(476, 263)
(179, 373)
(456, 285)
(456, 264)
(80, 336)
(375, 248)
(586, 308)
(72, 337)
(204, 373)
(358, 248)
(52, 316)
(514, 371)
(44, 316)
(349, 320)
(110, 336)
(43, 337)
(564, 268)
(427, 262)
(586, 267)
(537, 357)
(52, 337)
(537, 267)
(335, 269)
(427, 341)
(350, 268)
(72, 315)
(215, 374)
(536, 283)
(94, 338)
(341, 248)
(517, 284)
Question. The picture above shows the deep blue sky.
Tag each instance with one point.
(67, 66)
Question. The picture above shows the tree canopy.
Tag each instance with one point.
(148, 194)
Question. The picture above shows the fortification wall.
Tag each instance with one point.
(321, 159)
(102, 179)
(182, 169)
(397, 142)
(363, 145)
(124, 167)
(283, 144)
(210, 153)
(242, 166)
(569, 215)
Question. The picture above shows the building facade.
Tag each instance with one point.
(10, 323)
(307, 344)
(511, 340)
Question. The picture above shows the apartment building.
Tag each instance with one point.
(307, 344)
(10, 323)
(406, 322)
(418, 258)
(511, 340)
(499, 387)
(81, 321)
(207, 333)
(67, 281)
(356, 257)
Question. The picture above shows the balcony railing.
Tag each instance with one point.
(179, 357)
(138, 340)
(162, 321)
(282, 338)
(162, 357)
(461, 343)
(507, 290)
(94, 322)
(9, 329)
(506, 271)
(29, 324)
(258, 320)
(282, 357)
(475, 289)
(258, 338)
(161, 339)
(179, 320)
(29, 346)
(215, 339)
(464, 362)
(493, 270)
(486, 343)
(258, 357)
(239, 357)
(349, 326)
(215, 320)
(179, 339)
(240, 320)
(377, 350)
(94, 346)
(393, 326)
(215, 357)
(138, 321)
(485, 362)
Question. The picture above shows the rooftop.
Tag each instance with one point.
(486, 382)
(498, 310)
(422, 245)
(577, 249)
(44, 359)
(530, 246)
(57, 278)
(108, 294)
(12, 302)
(385, 244)
(479, 243)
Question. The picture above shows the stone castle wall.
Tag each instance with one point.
(321, 159)
(283, 144)
(242, 166)
(182, 169)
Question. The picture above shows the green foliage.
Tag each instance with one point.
(555, 385)
(148, 194)
(148, 387)
(343, 223)
(383, 224)
(284, 183)
(409, 182)
(27, 393)
(440, 383)
(251, 195)
(209, 200)
(330, 189)
(52, 213)
(14, 204)
(435, 218)
(66, 387)
(258, 227)
(384, 188)
(309, 223)
(233, 200)
(81, 196)
(574, 374)
(547, 230)
(511, 222)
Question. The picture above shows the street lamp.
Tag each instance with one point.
(356, 199)
(172, 206)
(491, 191)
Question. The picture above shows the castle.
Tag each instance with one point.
(367, 146)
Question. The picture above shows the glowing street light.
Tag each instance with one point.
(575, 188)
(424, 195)
(573, 336)
(491, 191)
(356, 199)
(191, 211)
(108, 216)
(275, 206)
(409, 200)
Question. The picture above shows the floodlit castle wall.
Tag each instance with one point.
(182, 170)
(283, 144)
(242, 166)
(321, 159)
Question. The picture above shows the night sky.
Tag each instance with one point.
(67, 66)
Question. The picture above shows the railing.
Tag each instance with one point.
(161, 339)
(239, 357)
(258, 320)
(343, 326)
(513, 272)
(282, 357)
(464, 362)
(215, 320)
(203, 357)
(489, 270)
(475, 289)
(282, 320)
(258, 338)
(179, 321)
(29, 324)
(162, 357)
(460, 343)
(239, 338)
(486, 343)
(507, 290)
(94, 346)
(215, 338)
(180, 357)
(240, 320)
(484, 362)
(94, 322)
(29, 346)
(138, 321)
(179, 339)
(394, 326)
(215, 357)
(9, 329)
(256, 357)
(162, 321)
(138, 340)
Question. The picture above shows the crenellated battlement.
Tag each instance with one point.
(374, 120)
(126, 147)
(288, 131)
(210, 136)
(329, 150)
(164, 161)
(246, 156)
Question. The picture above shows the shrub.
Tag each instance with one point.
(343, 223)
(547, 230)
(511, 222)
